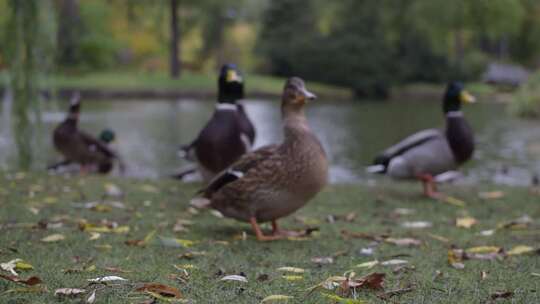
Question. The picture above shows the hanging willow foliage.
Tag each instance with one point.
(30, 39)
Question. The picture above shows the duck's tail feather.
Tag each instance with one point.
(376, 169)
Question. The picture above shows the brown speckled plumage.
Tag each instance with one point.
(275, 180)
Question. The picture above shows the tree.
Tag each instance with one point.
(175, 41)
(31, 47)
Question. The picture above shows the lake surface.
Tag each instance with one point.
(150, 131)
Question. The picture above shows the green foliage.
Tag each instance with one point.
(526, 101)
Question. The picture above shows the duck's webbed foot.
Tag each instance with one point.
(430, 188)
(285, 233)
(259, 234)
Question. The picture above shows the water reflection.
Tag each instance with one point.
(149, 132)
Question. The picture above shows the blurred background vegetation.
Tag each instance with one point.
(365, 45)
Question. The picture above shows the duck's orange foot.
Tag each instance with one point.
(260, 236)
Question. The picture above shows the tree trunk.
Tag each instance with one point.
(175, 41)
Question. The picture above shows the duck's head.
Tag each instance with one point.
(74, 106)
(230, 84)
(295, 95)
(455, 96)
(107, 136)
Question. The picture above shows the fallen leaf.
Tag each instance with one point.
(200, 202)
(149, 188)
(362, 235)
(394, 262)
(192, 254)
(438, 237)
(53, 238)
(92, 298)
(234, 277)
(502, 295)
(31, 281)
(454, 201)
(69, 292)
(404, 242)
(291, 269)
(341, 300)
(276, 298)
(491, 195)
(487, 232)
(176, 243)
(455, 258)
(323, 260)
(292, 277)
(113, 190)
(368, 265)
(519, 223)
(161, 289)
(483, 249)
(403, 211)
(107, 279)
(143, 242)
(466, 222)
(416, 225)
(483, 275)
(520, 249)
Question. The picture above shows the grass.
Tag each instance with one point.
(189, 81)
(526, 101)
(29, 199)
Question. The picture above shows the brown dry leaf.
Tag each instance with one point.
(404, 241)
(519, 223)
(502, 295)
(490, 195)
(31, 281)
(466, 222)
(143, 242)
(190, 255)
(362, 235)
(161, 289)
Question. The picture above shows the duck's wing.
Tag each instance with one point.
(410, 142)
(238, 169)
(95, 145)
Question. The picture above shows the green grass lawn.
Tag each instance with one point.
(33, 207)
(188, 82)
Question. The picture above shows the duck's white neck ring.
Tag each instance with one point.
(226, 106)
(454, 114)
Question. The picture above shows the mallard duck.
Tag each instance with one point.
(229, 133)
(80, 147)
(431, 152)
(276, 180)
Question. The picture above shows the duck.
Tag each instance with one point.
(275, 180)
(429, 153)
(228, 134)
(79, 147)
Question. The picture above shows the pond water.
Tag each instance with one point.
(150, 131)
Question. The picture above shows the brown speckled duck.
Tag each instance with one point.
(276, 180)
(80, 147)
(228, 134)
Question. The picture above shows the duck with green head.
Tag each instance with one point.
(228, 134)
(274, 181)
(79, 147)
(431, 152)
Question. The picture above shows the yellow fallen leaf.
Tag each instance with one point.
(22, 265)
(341, 300)
(438, 237)
(53, 238)
(491, 195)
(368, 265)
(483, 249)
(173, 242)
(466, 222)
(520, 249)
(276, 298)
(149, 188)
(50, 200)
(149, 236)
(291, 269)
(94, 236)
(185, 266)
(454, 201)
(293, 277)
